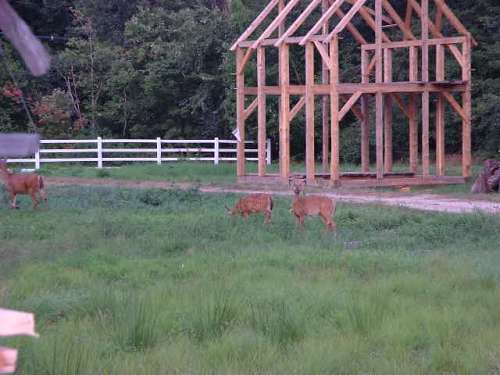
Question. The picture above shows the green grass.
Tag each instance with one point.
(164, 282)
(225, 173)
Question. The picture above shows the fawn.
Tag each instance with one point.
(253, 203)
(25, 183)
(315, 205)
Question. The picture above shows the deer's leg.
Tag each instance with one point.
(13, 200)
(33, 199)
(43, 195)
(327, 220)
(267, 216)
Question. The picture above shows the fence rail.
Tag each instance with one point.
(80, 151)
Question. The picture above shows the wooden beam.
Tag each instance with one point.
(454, 21)
(379, 99)
(349, 104)
(436, 33)
(440, 113)
(310, 160)
(370, 22)
(281, 27)
(255, 24)
(425, 95)
(352, 29)
(439, 19)
(365, 125)
(240, 116)
(276, 22)
(388, 159)
(395, 16)
(324, 54)
(467, 106)
(347, 18)
(325, 105)
(261, 116)
(284, 76)
(412, 111)
(297, 108)
(417, 43)
(334, 110)
(370, 11)
(244, 61)
(299, 21)
(251, 108)
(372, 64)
(322, 21)
(400, 103)
(409, 15)
(455, 105)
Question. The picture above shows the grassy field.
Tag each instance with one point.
(164, 282)
(208, 173)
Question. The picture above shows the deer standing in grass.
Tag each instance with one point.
(253, 203)
(25, 183)
(314, 205)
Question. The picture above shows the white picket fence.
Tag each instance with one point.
(101, 151)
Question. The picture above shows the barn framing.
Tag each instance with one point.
(418, 36)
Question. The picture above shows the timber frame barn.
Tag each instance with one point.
(413, 28)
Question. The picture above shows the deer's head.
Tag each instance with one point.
(297, 185)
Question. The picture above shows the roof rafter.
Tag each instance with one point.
(275, 24)
(352, 29)
(324, 18)
(455, 22)
(299, 21)
(256, 23)
(346, 19)
(395, 16)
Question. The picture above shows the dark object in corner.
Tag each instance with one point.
(488, 180)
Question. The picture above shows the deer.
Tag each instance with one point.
(24, 183)
(253, 203)
(314, 205)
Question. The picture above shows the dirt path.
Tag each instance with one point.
(425, 202)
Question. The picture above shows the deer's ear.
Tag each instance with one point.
(227, 208)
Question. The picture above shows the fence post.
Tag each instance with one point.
(268, 151)
(99, 152)
(37, 159)
(216, 151)
(158, 150)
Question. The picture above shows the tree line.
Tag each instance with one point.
(162, 68)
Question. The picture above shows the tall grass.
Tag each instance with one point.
(164, 282)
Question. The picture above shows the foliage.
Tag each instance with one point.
(144, 68)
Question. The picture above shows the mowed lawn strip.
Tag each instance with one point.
(164, 282)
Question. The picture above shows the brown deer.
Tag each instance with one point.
(253, 203)
(24, 183)
(314, 205)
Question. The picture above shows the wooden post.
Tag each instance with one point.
(440, 113)
(158, 150)
(334, 110)
(412, 109)
(310, 162)
(240, 117)
(216, 151)
(37, 160)
(99, 152)
(261, 110)
(268, 152)
(365, 124)
(388, 113)
(325, 109)
(467, 107)
(379, 99)
(284, 71)
(425, 94)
